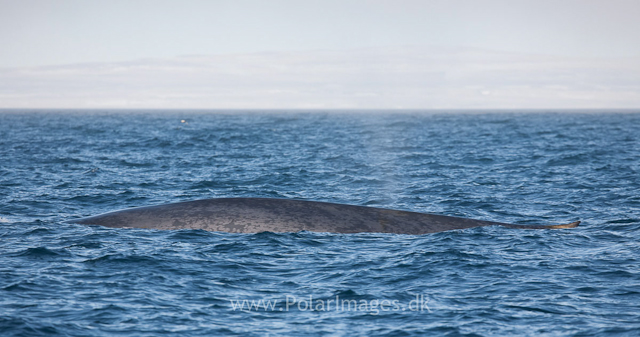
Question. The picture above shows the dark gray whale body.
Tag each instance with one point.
(253, 215)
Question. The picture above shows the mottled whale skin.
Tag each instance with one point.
(254, 215)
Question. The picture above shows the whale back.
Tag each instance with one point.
(253, 215)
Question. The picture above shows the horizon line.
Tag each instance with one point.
(329, 109)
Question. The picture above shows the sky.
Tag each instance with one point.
(297, 54)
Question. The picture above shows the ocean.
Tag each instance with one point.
(522, 167)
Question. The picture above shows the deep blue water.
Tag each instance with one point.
(525, 168)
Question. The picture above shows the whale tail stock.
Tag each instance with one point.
(564, 226)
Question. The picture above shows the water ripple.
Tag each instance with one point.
(61, 279)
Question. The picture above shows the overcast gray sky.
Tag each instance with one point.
(322, 54)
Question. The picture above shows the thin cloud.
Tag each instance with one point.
(376, 78)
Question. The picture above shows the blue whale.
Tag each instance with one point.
(254, 215)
